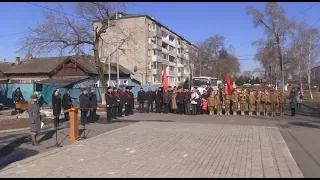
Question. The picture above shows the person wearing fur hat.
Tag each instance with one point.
(257, 98)
(234, 100)
(243, 101)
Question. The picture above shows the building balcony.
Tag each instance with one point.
(179, 74)
(172, 73)
(164, 50)
(159, 59)
(154, 71)
(172, 53)
(156, 46)
(166, 39)
(172, 43)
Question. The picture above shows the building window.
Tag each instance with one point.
(157, 52)
(171, 48)
(171, 38)
(171, 58)
(179, 51)
(159, 66)
(164, 34)
(164, 45)
(165, 56)
(154, 26)
(159, 41)
(171, 68)
(179, 70)
(179, 79)
(153, 40)
(178, 41)
(150, 27)
(149, 40)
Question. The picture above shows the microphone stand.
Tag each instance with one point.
(56, 129)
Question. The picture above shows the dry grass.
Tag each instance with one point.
(307, 99)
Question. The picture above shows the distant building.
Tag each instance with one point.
(67, 71)
(150, 48)
(315, 75)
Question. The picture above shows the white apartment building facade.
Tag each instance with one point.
(151, 48)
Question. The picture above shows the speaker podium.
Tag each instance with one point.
(74, 124)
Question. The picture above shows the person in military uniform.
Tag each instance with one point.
(274, 101)
(243, 101)
(265, 100)
(218, 103)
(227, 101)
(211, 103)
(234, 100)
(127, 102)
(115, 103)
(257, 102)
(251, 102)
(108, 98)
(282, 103)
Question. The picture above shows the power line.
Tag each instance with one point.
(55, 10)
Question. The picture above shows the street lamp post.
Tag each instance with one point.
(282, 73)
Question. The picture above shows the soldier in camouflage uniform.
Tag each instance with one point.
(274, 101)
(251, 102)
(234, 100)
(243, 102)
(257, 102)
(218, 102)
(265, 101)
(227, 101)
(282, 103)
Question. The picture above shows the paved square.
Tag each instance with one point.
(166, 149)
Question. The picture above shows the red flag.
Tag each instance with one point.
(165, 82)
(228, 82)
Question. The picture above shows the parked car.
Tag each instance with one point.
(247, 85)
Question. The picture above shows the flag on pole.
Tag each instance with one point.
(229, 85)
(165, 82)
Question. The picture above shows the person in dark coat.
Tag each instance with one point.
(84, 106)
(131, 101)
(187, 101)
(180, 101)
(150, 99)
(127, 101)
(198, 107)
(166, 100)
(34, 119)
(17, 96)
(108, 98)
(115, 103)
(158, 100)
(66, 104)
(121, 102)
(93, 105)
(141, 99)
(170, 91)
(56, 106)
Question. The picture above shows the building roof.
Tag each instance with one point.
(4, 66)
(126, 16)
(48, 64)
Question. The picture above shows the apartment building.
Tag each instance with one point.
(149, 48)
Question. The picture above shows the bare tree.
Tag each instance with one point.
(307, 47)
(66, 33)
(275, 24)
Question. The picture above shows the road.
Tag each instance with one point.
(300, 134)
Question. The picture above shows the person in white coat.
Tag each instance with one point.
(194, 101)
(299, 97)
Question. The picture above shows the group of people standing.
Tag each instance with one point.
(116, 99)
(191, 102)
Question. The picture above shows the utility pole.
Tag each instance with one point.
(118, 78)
(282, 74)
(109, 63)
(270, 74)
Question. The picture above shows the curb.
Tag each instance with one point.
(310, 107)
